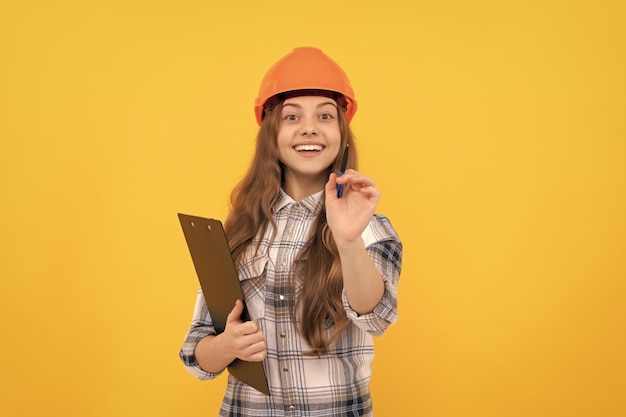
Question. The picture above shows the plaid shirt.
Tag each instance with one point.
(336, 384)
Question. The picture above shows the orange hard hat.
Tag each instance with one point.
(306, 70)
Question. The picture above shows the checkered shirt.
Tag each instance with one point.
(335, 384)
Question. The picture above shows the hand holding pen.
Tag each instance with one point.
(354, 180)
(349, 210)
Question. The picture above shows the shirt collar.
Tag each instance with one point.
(311, 203)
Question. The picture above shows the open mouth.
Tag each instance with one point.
(308, 148)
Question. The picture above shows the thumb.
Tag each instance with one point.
(235, 313)
(331, 186)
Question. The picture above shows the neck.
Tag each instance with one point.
(300, 188)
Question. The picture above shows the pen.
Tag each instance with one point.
(342, 169)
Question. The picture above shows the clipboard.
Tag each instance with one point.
(220, 285)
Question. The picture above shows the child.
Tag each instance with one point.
(319, 272)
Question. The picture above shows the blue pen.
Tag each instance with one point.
(342, 169)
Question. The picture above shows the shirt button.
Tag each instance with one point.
(283, 335)
(281, 297)
(285, 369)
(292, 408)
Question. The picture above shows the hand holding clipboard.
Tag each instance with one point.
(220, 285)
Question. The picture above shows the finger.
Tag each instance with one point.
(235, 313)
(354, 178)
(252, 348)
(256, 355)
(365, 186)
(331, 187)
(251, 327)
(259, 356)
(332, 181)
(256, 347)
(345, 178)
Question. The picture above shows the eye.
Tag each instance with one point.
(290, 117)
(326, 116)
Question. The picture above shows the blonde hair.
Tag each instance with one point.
(318, 305)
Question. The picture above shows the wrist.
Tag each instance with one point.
(212, 354)
(348, 246)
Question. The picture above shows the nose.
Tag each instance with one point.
(308, 128)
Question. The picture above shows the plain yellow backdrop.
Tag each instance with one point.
(495, 130)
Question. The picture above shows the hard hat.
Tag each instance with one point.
(310, 71)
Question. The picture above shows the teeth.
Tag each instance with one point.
(308, 148)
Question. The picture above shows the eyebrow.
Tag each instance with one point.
(326, 103)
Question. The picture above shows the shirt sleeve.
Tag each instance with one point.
(201, 326)
(385, 249)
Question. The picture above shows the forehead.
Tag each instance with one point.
(313, 101)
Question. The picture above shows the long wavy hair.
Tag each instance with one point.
(318, 306)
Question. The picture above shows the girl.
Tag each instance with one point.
(319, 270)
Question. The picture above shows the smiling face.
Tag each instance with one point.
(309, 139)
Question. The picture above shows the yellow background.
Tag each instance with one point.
(495, 129)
